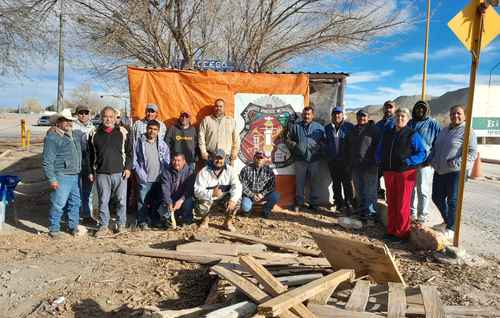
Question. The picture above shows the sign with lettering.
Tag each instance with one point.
(486, 126)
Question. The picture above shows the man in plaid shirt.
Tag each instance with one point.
(258, 182)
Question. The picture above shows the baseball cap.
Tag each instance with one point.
(259, 154)
(362, 112)
(390, 102)
(79, 108)
(337, 110)
(184, 114)
(219, 153)
(152, 107)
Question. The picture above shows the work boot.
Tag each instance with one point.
(56, 235)
(204, 224)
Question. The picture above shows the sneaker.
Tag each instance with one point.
(449, 234)
(122, 228)
(144, 227)
(103, 231)
(88, 221)
(56, 235)
(440, 227)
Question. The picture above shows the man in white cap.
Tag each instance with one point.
(62, 163)
(82, 127)
(139, 127)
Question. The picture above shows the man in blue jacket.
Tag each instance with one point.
(335, 145)
(305, 140)
(151, 158)
(62, 164)
(428, 129)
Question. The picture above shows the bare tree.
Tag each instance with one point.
(31, 105)
(254, 35)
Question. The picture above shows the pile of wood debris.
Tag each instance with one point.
(343, 278)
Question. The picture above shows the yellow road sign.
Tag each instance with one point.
(463, 25)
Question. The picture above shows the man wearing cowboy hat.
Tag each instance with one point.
(62, 163)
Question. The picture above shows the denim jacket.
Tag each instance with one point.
(62, 154)
(306, 142)
(141, 162)
(332, 136)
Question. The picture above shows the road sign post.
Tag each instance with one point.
(477, 22)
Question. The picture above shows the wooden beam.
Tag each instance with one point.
(280, 245)
(189, 312)
(238, 310)
(179, 256)
(248, 288)
(365, 258)
(396, 306)
(327, 311)
(432, 302)
(296, 296)
(220, 248)
(359, 296)
(271, 285)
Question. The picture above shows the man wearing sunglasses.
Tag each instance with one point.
(82, 128)
(139, 127)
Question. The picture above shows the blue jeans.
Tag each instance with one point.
(109, 185)
(271, 199)
(185, 213)
(365, 183)
(422, 192)
(65, 198)
(444, 195)
(304, 171)
(86, 195)
(148, 196)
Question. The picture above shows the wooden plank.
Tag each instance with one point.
(359, 296)
(296, 296)
(238, 310)
(271, 285)
(365, 258)
(284, 246)
(220, 248)
(396, 306)
(327, 311)
(179, 256)
(432, 302)
(253, 292)
(189, 312)
(462, 311)
(297, 280)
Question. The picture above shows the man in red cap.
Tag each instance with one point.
(182, 139)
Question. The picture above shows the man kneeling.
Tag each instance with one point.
(217, 185)
(258, 181)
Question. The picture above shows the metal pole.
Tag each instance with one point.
(426, 50)
(476, 48)
(60, 76)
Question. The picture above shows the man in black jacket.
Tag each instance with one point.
(110, 149)
(182, 138)
(362, 142)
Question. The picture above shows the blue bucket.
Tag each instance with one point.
(7, 186)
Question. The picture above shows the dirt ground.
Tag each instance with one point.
(98, 281)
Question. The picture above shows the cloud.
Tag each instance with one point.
(363, 77)
(448, 52)
(410, 57)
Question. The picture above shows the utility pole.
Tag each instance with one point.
(426, 50)
(60, 75)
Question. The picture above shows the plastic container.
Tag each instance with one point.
(7, 185)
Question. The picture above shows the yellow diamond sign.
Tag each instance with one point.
(463, 25)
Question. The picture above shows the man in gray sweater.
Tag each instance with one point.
(446, 161)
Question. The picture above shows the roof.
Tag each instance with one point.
(312, 75)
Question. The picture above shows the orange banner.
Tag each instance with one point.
(195, 92)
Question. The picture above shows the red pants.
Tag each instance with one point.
(399, 187)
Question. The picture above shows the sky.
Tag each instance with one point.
(375, 75)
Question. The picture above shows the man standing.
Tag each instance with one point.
(182, 138)
(305, 140)
(82, 128)
(110, 151)
(151, 158)
(428, 129)
(218, 131)
(446, 161)
(335, 144)
(217, 184)
(177, 185)
(362, 142)
(62, 163)
(386, 123)
(258, 182)
(139, 127)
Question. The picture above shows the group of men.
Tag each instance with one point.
(78, 156)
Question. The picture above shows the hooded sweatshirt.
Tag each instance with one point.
(427, 128)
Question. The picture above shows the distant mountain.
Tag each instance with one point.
(439, 105)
